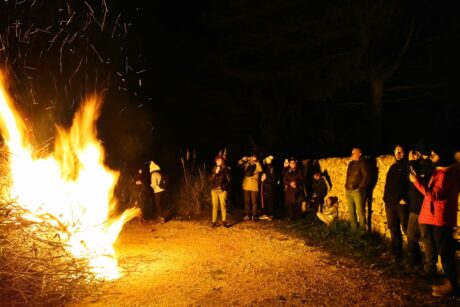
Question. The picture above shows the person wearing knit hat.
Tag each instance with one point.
(422, 148)
(220, 180)
(422, 167)
(268, 160)
(439, 215)
(269, 189)
(158, 185)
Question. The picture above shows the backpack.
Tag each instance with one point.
(163, 184)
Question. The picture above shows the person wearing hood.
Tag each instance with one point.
(396, 202)
(439, 213)
(158, 185)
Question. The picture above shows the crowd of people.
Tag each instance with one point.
(421, 197)
(263, 188)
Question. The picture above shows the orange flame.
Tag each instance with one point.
(72, 185)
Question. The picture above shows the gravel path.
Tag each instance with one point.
(185, 263)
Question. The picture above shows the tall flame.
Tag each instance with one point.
(71, 187)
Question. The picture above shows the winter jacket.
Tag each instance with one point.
(319, 189)
(251, 183)
(397, 183)
(423, 169)
(440, 200)
(155, 179)
(221, 180)
(358, 176)
(290, 193)
(270, 181)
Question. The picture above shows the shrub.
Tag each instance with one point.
(194, 194)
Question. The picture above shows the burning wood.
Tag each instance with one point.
(70, 190)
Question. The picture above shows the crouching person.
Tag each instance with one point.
(329, 211)
(220, 179)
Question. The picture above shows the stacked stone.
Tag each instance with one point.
(337, 170)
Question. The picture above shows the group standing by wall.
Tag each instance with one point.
(420, 196)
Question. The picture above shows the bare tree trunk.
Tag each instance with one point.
(377, 88)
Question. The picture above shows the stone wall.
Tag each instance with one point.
(336, 169)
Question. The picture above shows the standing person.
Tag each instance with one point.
(220, 180)
(158, 184)
(319, 189)
(396, 199)
(293, 186)
(138, 196)
(421, 165)
(439, 213)
(269, 189)
(252, 169)
(356, 184)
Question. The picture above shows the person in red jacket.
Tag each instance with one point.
(439, 212)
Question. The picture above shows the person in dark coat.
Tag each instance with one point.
(396, 200)
(319, 189)
(293, 186)
(422, 167)
(219, 180)
(269, 187)
(356, 185)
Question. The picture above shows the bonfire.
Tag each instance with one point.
(64, 200)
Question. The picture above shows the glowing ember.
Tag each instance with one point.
(72, 185)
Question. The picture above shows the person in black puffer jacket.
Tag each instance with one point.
(420, 165)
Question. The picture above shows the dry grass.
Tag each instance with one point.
(35, 268)
(194, 194)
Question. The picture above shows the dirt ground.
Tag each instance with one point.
(187, 263)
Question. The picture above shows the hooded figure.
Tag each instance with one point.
(158, 184)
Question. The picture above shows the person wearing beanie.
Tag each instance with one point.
(422, 167)
(439, 214)
(269, 182)
(250, 186)
(220, 180)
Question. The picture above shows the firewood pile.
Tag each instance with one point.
(35, 268)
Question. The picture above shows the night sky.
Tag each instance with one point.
(277, 77)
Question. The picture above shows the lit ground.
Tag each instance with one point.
(183, 263)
